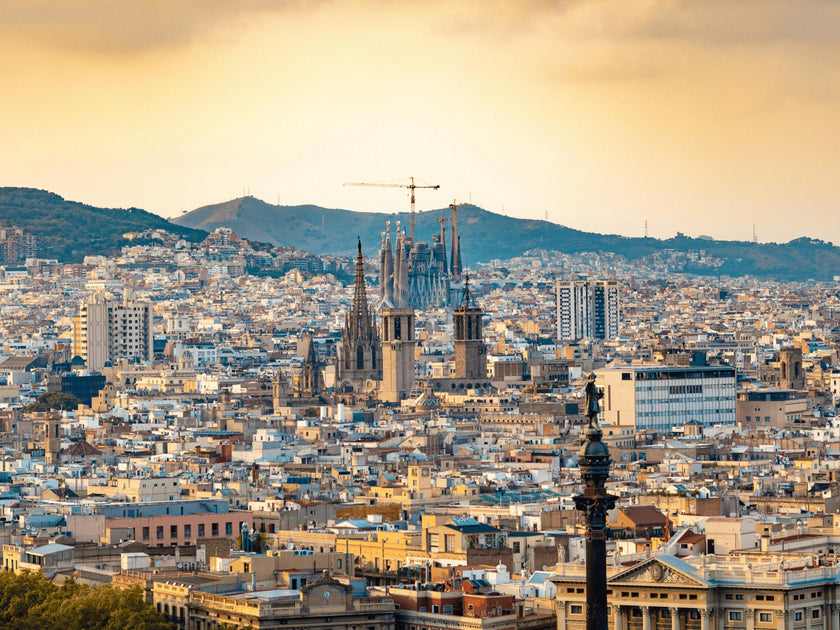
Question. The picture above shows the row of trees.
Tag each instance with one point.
(30, 601)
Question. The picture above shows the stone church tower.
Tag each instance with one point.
(397, 354)
(470, 353)
(360, 356)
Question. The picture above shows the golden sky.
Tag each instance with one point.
(700, 116)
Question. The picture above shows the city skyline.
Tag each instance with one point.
(705, 119)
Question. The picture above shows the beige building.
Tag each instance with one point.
(324, 604)
(141, 489)
(747, 592)
(776, 408)
(107, 329)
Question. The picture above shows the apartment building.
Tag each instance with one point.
(107, 329)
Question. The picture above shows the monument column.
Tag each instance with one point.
(594, 462)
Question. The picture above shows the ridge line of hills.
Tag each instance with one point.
(69, 230)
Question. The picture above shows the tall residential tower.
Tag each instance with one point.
(587, 308)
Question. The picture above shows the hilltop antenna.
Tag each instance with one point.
(755, 236)
(646, 230)
(546, 215)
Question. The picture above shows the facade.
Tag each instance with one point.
(470, 352)
(791, 374)
(417, 274)
(397, 354)
(587, 309)
(109, 329)
(17, 245)
(323, 604)
(777, 408)
(360, 356)
(661, 397)
(708, 592)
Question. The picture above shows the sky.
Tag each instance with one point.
(715, 117)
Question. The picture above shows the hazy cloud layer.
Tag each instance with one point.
(700, 116)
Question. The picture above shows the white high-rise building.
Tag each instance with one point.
(108, 329)
(587, 308)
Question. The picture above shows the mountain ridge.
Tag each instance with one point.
(486, 236)
(70, 230)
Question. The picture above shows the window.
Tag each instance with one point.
(187, 531)
(765, 617)
(576, 609)
(214, 529)
(173, 531)
(145, 533)
(201, 530)
(735, 615)
(815, 613)
(694, 614)
(228, 528)
(447, 609)
(797, 616)
(516, 547)
(160, 532)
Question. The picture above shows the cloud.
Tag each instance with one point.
(128, 26)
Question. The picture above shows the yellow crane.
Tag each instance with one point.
(412, 186)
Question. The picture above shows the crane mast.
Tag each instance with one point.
(412, 186)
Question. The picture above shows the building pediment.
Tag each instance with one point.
(660, 570)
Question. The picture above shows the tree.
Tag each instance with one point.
(30, 601)
(53, 401)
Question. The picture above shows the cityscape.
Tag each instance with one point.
(293, 450)
(394, 315)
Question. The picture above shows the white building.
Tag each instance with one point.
(587, 308)
(660, 397)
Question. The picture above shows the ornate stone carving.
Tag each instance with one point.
(658, 573)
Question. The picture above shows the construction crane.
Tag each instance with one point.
(412, 186)
(455, 266)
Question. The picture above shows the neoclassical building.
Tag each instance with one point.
(745, 592)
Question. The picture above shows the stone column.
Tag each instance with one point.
(705, 616)
(561, 615)
(835, 617)
(750, 613)
(789, 617)
(646, 617)
(675, 618)
(619, 618)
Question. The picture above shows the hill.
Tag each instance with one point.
(69, 231)
(486, 236)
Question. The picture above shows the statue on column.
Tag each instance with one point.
(593, 395)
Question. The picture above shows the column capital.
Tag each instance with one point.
(750, 613)
(645, 610)
(706, 612)
(561, 605)
(674, 610)
(835, 609)
(617, 608)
